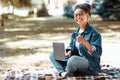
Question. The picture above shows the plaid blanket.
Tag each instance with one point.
(40, 74)
(99, 76)
(107, 73)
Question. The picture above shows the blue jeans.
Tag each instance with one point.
(74, 64)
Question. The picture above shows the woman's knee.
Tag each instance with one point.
(78, 63)
(72, 60)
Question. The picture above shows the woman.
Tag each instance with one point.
(85, 47)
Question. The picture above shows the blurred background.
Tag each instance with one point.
(28, 28)
(106, 9)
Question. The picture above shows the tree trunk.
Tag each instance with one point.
(2, 20)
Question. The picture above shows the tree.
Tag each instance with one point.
(21, 3)
(14, 3)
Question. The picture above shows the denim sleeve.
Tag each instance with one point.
(96, 45)
(93, 49)
(70, 47)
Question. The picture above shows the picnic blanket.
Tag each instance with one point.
(105, 74)
(99, 76)
(39, 74)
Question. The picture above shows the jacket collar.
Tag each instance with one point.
(87, 29)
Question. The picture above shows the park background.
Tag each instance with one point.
(27, 32)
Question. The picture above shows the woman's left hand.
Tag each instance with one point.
(80, 39)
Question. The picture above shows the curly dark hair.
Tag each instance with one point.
(85, 6)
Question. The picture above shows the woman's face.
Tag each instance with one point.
(80, 16)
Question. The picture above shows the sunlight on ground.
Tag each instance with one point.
(44, 18)
(4, 40)
(27, 59)
(33, 43)
(18, 29)
(111, 54)
(42, 43)
(27, 43)
(33, 48)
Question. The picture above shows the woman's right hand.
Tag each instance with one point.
(69, 53)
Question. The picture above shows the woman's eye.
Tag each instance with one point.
(81, 14)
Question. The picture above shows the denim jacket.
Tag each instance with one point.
(94, 38)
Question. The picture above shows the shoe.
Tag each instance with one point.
(66, 74)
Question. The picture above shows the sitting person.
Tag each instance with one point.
(85, 47)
